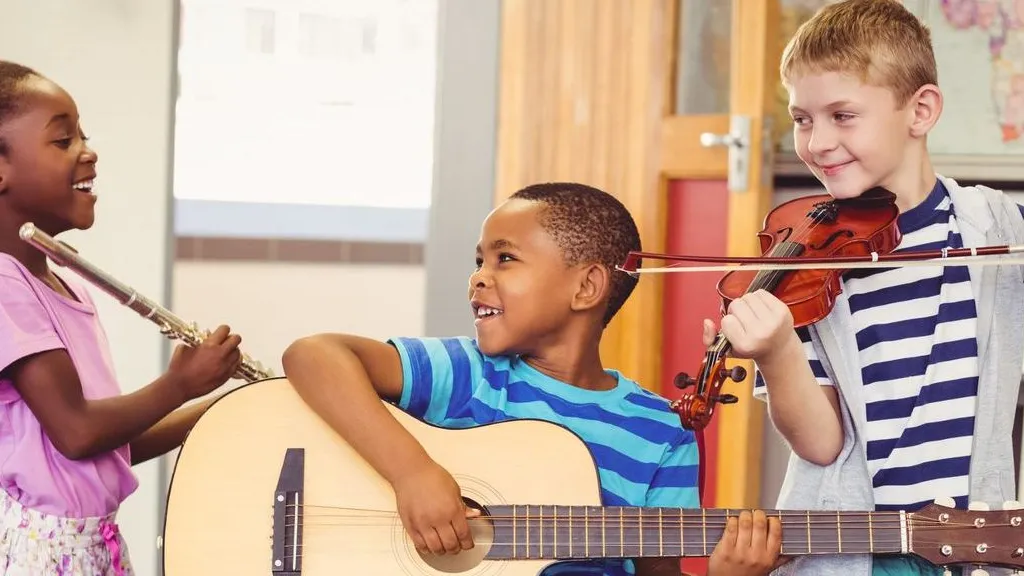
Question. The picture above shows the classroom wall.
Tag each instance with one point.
(115, 57)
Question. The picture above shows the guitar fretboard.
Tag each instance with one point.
(560, 532)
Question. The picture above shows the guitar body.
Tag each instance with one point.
(221, 503)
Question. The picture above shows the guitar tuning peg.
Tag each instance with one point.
(946, 501)
(979, 506)
(1012, 505)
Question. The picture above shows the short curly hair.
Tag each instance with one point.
(590, 226)
(12, 76)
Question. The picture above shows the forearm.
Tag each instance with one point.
(330, 378)
(169, 433)
(107, 424)
(800, 407)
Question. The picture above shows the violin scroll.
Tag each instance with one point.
(696, 408)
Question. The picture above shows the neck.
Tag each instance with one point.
(573, 360)
(911, 186)
(534, 531)
(11, 244)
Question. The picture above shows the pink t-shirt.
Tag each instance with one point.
(34, 318)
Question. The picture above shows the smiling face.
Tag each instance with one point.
(851, 135)
(522, 291)
(47, 170)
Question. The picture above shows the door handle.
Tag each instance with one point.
(738, 142)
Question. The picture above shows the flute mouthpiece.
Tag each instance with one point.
(27, 230)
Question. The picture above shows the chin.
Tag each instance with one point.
(490, 347)
(845, 187)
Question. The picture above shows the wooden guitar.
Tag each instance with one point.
(263, 487)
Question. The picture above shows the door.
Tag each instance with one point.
(717, 171)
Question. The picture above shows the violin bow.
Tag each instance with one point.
(945, 257)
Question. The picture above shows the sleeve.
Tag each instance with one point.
(438, 376)
(675, 481)
(25, 325)
(761, 391)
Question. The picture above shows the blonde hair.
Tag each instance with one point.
(879, 41)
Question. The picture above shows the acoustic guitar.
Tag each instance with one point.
(263, 487)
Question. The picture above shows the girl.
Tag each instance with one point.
(68, 437)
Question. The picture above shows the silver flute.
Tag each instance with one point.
(170, 325)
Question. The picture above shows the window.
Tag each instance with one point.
(306, 102)
(259, 31)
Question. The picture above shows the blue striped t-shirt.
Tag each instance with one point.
(644, 456)
(916, 334)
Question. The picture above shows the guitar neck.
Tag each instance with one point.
(552, 532)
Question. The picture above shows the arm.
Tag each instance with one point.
(167, 434)
(80, 428)
(342, 379)
(760, 326)
(34, 358)
(805, 412)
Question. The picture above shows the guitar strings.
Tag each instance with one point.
(690, 517)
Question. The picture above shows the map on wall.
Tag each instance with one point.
(979, 50)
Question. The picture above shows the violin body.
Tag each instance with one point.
(816, 226)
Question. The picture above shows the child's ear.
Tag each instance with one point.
(592, 290)
(926, 105)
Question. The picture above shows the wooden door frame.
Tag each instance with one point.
(755, 53)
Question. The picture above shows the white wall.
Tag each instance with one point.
(115, 57)
(270, 304)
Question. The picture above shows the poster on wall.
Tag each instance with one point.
(979, 51)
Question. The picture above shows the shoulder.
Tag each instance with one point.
(455, 349)
(652, 416)
(12, 271)
(982, 205)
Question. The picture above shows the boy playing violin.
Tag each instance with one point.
(544, 289)
(906, 392)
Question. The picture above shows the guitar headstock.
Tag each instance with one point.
(945, 535)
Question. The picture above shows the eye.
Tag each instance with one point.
(63, 143)
(505, 257)
(843, 117)
(479, 262)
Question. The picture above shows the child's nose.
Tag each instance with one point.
(821, 140)
(88, 156)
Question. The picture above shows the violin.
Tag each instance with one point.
(806, 244)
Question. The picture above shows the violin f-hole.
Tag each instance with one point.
(831, 239)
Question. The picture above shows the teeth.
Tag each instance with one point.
(86, 185)
(485, 311)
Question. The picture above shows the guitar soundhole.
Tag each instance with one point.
(466, 560)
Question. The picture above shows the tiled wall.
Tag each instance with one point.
(322, 251)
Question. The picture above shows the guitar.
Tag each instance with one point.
(262, 486)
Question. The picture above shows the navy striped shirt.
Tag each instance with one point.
(916, 334)
(644, 457)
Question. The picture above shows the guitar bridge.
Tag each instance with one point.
(286, 541)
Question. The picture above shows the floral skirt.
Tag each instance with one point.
(37, 544)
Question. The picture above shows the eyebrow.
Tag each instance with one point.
(499, 244)
(832, 106)
(59, 117)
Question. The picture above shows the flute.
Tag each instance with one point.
(170, 325)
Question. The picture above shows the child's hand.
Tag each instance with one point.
(203, 369)
(756, 325)
(433, 512)
(749, 546)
